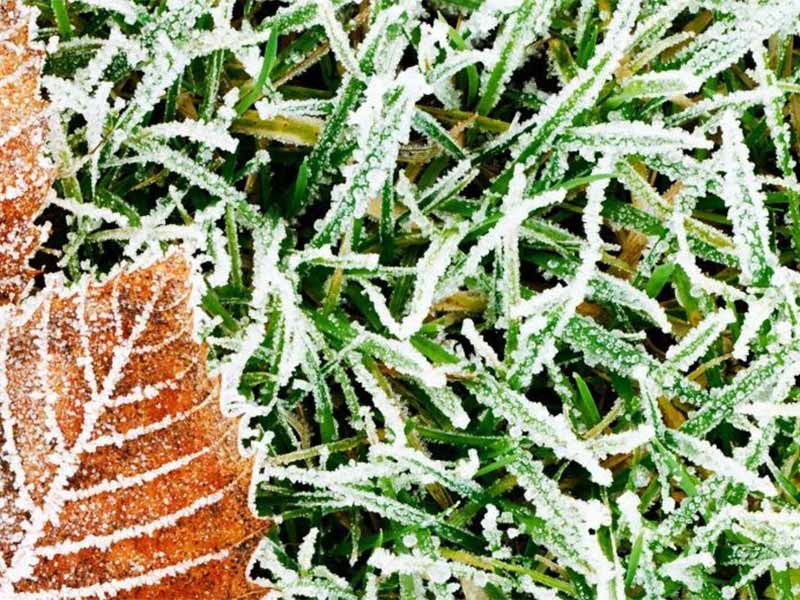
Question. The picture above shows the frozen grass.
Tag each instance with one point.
(503, 293)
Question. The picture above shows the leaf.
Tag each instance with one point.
(660, 84)
(119, 475)
(704, 454)
(25, 175)
(337, 37)
(429, 270)
(608, 348)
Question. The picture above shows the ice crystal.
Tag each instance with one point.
(502, 295)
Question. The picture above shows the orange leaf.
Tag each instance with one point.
(24, 175)
(118, 474)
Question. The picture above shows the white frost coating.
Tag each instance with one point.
(382, 122)
(769, 410)
(269, 282)
(628, 504)
(532, 420)
(619, 292)
(208, 134)
(221, 260)
(449, 403)
(704, 454)
(121, 483)
(686, 260)
(657, 84)
(759, 310)
(402, 356)
(130, 11)
(105, 541)
(146, 235)
(9, 451)
(483, 349)
(523, 26)
(269, 109)
(583, 18)
(681, 569)
(337, 37)
(432, 39)
(161, 154)
(751, 402)
(736, 101)
(351, 473)
(773, 110)
(530, 356)
(561, 108)
(694, 344)
(540, 303)
(725, 41)
(407, 195)
(324, 256)
(251, 60)
(306, 551)
(429, 270)
(116, 438)
(482, 21)
(515, 212)
(745, 200)
(24, 557)
(386, 405)
(90, 211)
(621, 443)
(426, 470)
(630, 137)
(409, 564)
(575, 544)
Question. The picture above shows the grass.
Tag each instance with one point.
(507, 301)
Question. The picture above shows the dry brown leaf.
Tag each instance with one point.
(24, 175)
(118, 474)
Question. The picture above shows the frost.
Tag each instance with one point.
(570, 522)
(560, 110)
(742, 193)
(711, 458)
(515, 212)
(383, 122)
(533, 420)
(521, 27)
(128, 10)
(630, 137)
(431, 267)
(735, 101)
(49, 452)
(729, 39)
(215, 137)
(621, 443)
(479, 339)
(683, 354)
(337, 37)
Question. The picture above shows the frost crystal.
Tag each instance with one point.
(501, 296)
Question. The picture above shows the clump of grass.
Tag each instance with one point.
(504, 294)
